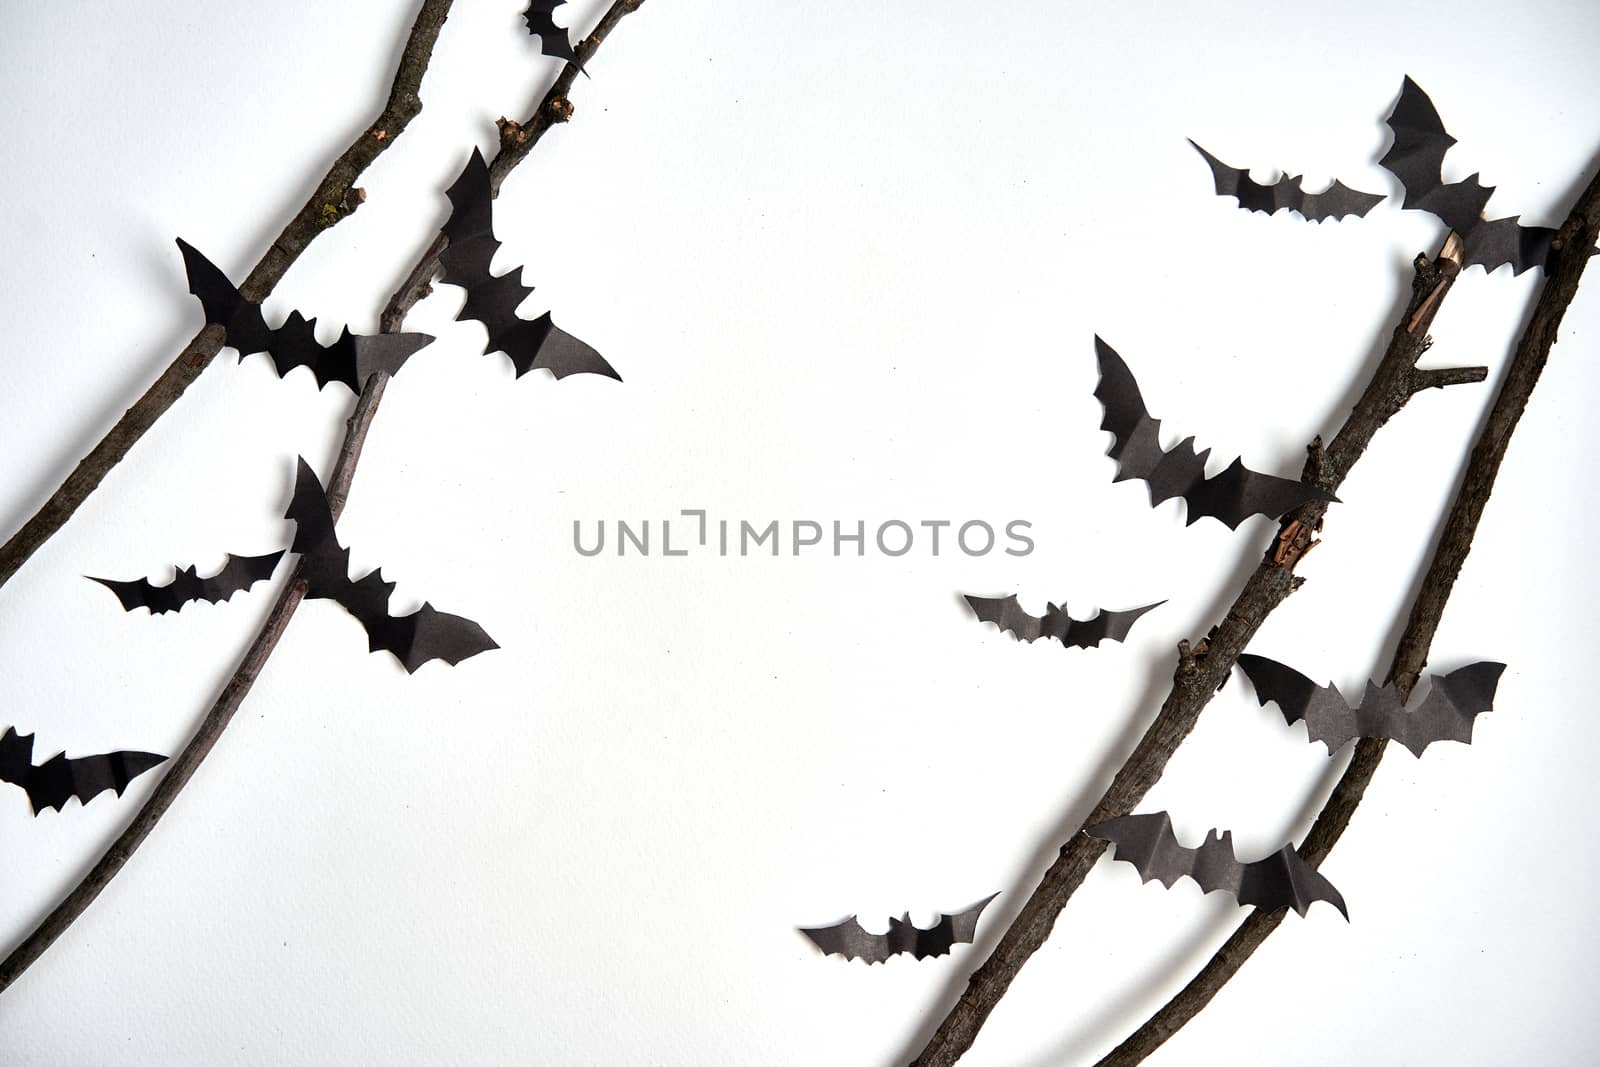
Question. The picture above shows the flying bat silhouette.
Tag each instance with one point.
(1230, 498)
(1417, 159)
(426, 634)
(1335, 202)
(58, 779)
(553, 40)
(1006, 613)
(849, 940)
(530, 343)
(1454, 700)
(1281, 880)
(238, 572)
(350, 360)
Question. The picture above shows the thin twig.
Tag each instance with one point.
(182, 768)
(516, 141)
(1575, 238)
(1395, 380)
(335, 197)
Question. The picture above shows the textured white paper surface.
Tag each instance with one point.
(849, 262)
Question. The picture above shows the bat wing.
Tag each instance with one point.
(1492, 243)
(964, 924)
(350, 360)
(849, 940)
(1453, 703)
(1338, 201)
(238, 572)
(309, 511)
(1284, 880)
(1007, 614)
(244, 328)
(1231, 497)
(1088, 633)
(1327, 716)
(428, 634)
(470, 227)
(134, 594)
(1279, 881)
(530, 344)
(59, 779)
(540, 344)
(1238, 493)
(553, 40)
(1335, 202)
(1420, 142)
(1147, 842)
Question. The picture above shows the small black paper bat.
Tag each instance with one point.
(1230, 498)
(530, 343)
(553, 40)
(425, 634)
(849, 940)
(1281, 880)
(1417, 159)
(350, 360)
(1011, 617)
(1335, 202)
(58, 779)
(1454, 700)
(238, 572)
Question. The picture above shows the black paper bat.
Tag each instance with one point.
(1231, 497)
(553, 40)
(350, 360)
(238, 572)
(530, 343)
(425, 634)
(58, 779)
(849, 940)
(1335, 202)
(1454, 700)
(1417, 159)
(1281, 880)
(1010, 617)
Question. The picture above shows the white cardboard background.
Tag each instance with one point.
(850, 262)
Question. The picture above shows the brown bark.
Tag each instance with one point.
(1576, 237)
(1395, 380)
(182, 768)
(335, 197)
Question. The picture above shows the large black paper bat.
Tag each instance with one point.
(553, 40)
(1417, 159)
(1335, 202)
(1011, 617)
(58, 779)
(530, 343)
(849, 940)
(1281, 880)
(1454, 700)
(238, 572)
(425, 634)
(350, 360)
(1231, 497)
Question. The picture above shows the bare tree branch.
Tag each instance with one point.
(1576, 237)
(182, 767)
(335, 197)
(1197, 675)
